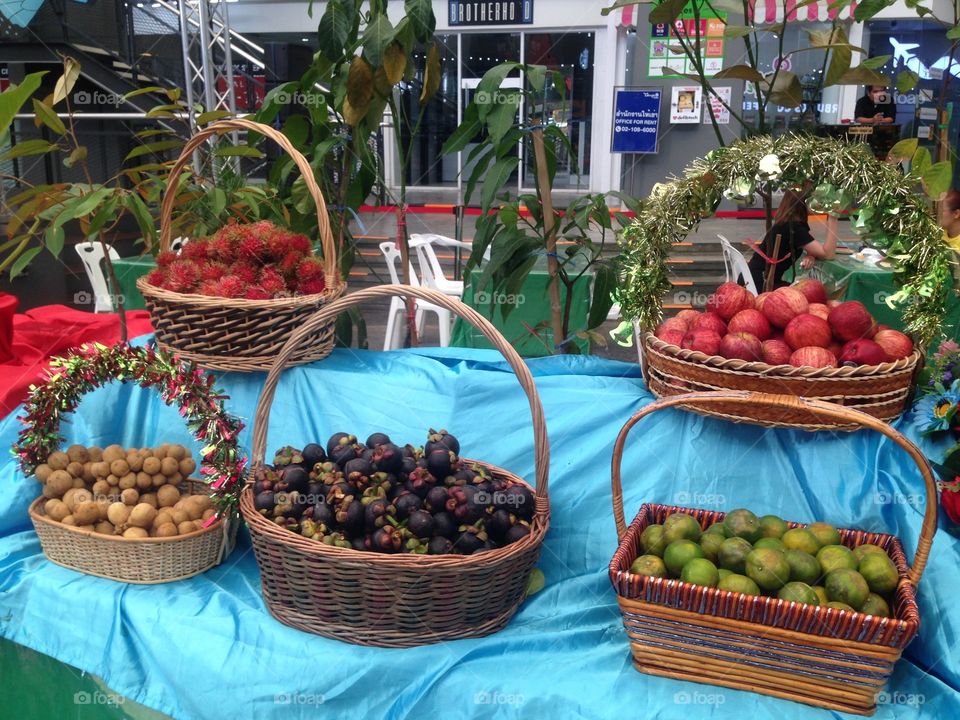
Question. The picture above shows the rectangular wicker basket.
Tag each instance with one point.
(811, 654)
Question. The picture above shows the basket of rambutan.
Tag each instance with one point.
(231, 300)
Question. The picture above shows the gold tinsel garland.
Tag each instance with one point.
(890, 215)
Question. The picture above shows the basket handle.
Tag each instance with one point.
(817, 407)
(330, 264)
(327, 314)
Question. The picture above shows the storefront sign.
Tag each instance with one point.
(685, 104)
(709, 32)
(636, 120)
(490, 12)
(720, 109)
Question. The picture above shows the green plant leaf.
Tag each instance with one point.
(65, 83)
(21, 262)
(840, 58)
(861, 75)
(739, 72)
(88, 203)
(667, 11)
(334, 30)
(737, 31)
(479, 169)
(904, 149)
(15, 97)
(53, 238)
(489, 85)
(787, 90)
(868, 8)
(376, 37)
(496, 178)
(920, 162)
(213, 116)
(875, 63)
(78, 154)
(536, 77)
(422, 20)
(45, 115)
(604, 283)
(624, 3)
(144, 219)
(503, 115)
(431, 75)
(906, 81)
(238, 151)
(953, 33)
(937, 179)
(143, 91)
(28, 148)
(154, 147)
(465, 133)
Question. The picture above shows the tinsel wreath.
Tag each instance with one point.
(886, 210)
(89, 367)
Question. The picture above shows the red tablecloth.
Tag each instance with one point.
(51, 330)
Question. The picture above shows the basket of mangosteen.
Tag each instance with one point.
(376, 542)
(806, 612)
(130, 514)
(791, 341)
(230, 301)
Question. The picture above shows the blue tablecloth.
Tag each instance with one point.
(207, 647)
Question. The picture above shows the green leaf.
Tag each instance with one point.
(840, 58)
(378, 34)
(479, 168)
(536, 77)
(463, 135)
(143, 91)
(489, 85)
(65, 83)
(904, 150)
(47, 116)
(154, 147)
(213, 116)
(28, 148)
(78, 154)
(875, 63)
(431, 75)
(21, 262)
(144, 219)
(496, 178)
(868, 8)
(667, 11)
(88, 203)
(503, 115)
(15, 97)
(623, 3)
(786, 90)
(937, 179)
(53, 238)
(737, 31)
(333, 30)
(921, 161)
(739, 72)
(218, 201)
(604, 282)
(953, 33)
(173, 94)
(861, 75)
(237, 151)
(297, 129)
(422, 20)
(906, 81)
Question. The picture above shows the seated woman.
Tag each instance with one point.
(790, 223)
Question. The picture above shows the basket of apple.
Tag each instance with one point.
(792, 341)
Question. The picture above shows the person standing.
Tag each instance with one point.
(875, 107)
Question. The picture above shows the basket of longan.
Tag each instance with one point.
(135, 515)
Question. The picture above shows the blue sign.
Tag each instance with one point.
(636, 120)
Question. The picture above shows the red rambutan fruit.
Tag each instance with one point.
(156, 277)
(182, 276)
(232, 287)
(312, 287)
(310, 268)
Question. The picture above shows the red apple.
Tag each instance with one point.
(813, 290)
(761, 299)
(807, 330)
(850, 320)
(710, 321)
(833, 303)
(819, 309)
(783, 305)
(705, 341)
(671, 324)
(816, 357)
(836, 348)
(729, 299)
(750, 321)
(688, 316)
(741, 346)
(894, 343)
(672, 336)
(862, 352)
(776, 352)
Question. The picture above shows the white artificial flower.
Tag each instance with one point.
(659, 189)
(770, 167)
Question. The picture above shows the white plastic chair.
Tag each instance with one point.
(91, 254)
(396, 315)
(176, 245)
(736, 265)
(430, 271)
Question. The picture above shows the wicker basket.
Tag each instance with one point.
(883, 391)
(235, 334)
(404, 600)
(810, 654)
(146, 561)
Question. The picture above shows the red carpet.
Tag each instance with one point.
(44, 332)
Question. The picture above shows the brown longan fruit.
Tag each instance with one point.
(119, 467)
(69, 520)
(42, 472)
(130, 497)
(177, 452)
(58, 460)
(180, 515)
(118, 514)
(159, 479)
(208, 513)
(194, 511)
(79, 483)
(75, 496)
(103, 504)
(175, 479)
(88, 475)
(151, 465)
(75, 469)
(100, 469)
(56, 509)
(101, 488)
(167, 496)
(57, 484)
(144, 481)
(159, 452)
(187, 466)
(95, 453)
(167, 530)
(78, 453)
(169, 466)
(113, 480)
(186, 526)
(113, 452)
(127, 481)
(149, 499)
(142, 515)
(163, 516)
(86, 513)
(104, 528)
(134, 461)
(86, 528)
(203, 501)
(135, 532)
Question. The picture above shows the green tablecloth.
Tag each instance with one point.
(847, 278)
(527, 322)
(128, 271)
